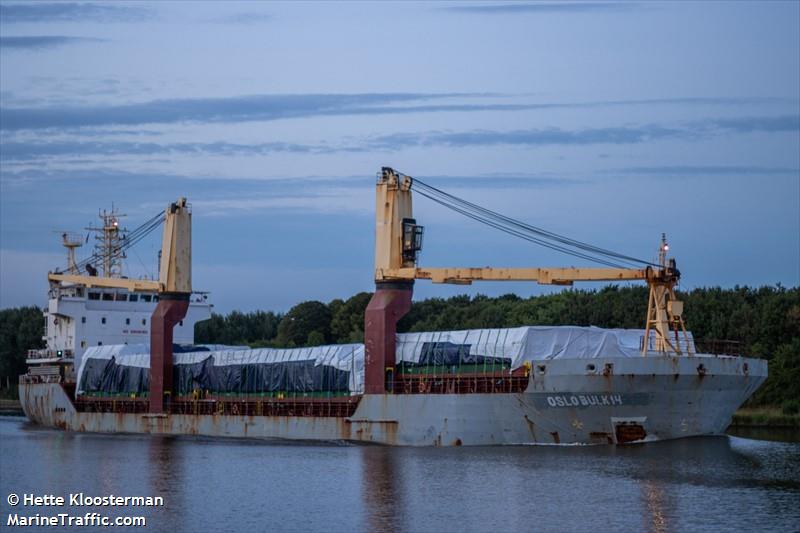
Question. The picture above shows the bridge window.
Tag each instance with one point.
(121, 297)
(146, 297)
(134, 298)
(108, 297)
(94, 295)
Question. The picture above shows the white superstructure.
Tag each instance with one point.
(78, 317)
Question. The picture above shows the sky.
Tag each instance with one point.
(608, 122)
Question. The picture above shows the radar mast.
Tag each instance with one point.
(109, 239)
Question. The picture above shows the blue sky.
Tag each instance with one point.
(608, 122)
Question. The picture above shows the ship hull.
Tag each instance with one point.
(567, 401)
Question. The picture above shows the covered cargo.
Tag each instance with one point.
(124, 369)
(527, 343)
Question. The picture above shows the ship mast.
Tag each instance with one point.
(71, 241)
(109, 240)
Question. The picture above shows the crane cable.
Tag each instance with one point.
(522, 235)
(527, 231)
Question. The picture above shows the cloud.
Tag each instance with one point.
(275, 107)
(783, 123)
(529, 137)
(219, 191)
(21, 151)
(34, 12)
(611, 135)
(27, 151)
(327, 200)
(232, 109)
(541, 8)
(730, 170)
(41, 42)
(244, 18)
(34, 150)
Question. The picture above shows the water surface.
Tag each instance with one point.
(709, 483)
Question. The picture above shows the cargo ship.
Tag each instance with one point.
(525, 385)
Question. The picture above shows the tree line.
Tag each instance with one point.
(762, 322)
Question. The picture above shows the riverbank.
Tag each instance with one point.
(10, 408)
(768, 417)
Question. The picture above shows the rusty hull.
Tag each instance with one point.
(567, 401)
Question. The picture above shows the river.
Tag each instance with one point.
(701, 484)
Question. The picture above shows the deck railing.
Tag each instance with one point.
(317, 407)
(720, 347)
(458, 384)
(46, 353)
(29, 379)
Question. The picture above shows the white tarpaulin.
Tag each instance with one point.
(515, 345)
(532, 343)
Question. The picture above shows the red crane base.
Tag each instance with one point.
(171, 309)
(388, 305)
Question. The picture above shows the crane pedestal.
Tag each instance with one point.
(391, 301)
(171, 309)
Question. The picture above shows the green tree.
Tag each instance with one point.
(301, 320)
(315, 338)
(21, 329)
(347, 323)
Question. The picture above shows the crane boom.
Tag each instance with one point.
(133, 285)
(543, 276)
(398, 241)
(175, 271)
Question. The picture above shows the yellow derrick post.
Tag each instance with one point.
(175, 271)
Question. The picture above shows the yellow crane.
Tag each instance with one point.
(398, 240)
(175, 269)
(174, 287)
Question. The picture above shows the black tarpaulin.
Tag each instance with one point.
(106, 376)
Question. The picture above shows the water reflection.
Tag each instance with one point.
(381, 489)
(165, 466)
(165, 478)
(656, 517)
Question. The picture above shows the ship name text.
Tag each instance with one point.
(584, 400)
